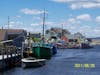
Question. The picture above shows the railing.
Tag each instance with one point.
(10, 56)
(8, 51)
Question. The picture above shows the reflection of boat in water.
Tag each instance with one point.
(32, 62)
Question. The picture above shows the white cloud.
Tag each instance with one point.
(97, 31)
(18, 16)
(37, 18)
(15, 24)
(89, 31)
(32, 11)
(33, 29)
(85, 28)
(47, 23)
(98, 19)
(74, 6)
(75, 25)
(91, 5)
(50, 23)
(12, 23)
(35, 24)
(85, 17)
(71, 20)
(77, 4)
(37, 27)
(85, 5)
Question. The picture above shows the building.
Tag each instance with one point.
(56, 32)
(64, 38)
(17, 35)
(10, 34)
(36, 35)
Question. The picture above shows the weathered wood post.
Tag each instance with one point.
(11, 52)
(22, 50)
(7, 54)
(14, 51)
(3, 60)
(7, 51)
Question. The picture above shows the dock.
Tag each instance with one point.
(9, 57)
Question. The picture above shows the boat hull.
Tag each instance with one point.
(42, 52)
(30, 63)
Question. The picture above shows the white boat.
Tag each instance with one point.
(32, 62)
(86, 46)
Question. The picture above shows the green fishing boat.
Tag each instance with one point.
(42, 51)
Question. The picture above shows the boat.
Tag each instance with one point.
(42, 51)
(86, 46)
(62, 44)
(32, 62)
(54, 50)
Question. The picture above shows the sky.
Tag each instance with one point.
(74, 15)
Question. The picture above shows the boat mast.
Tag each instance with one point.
(43, 25)
(62, 30)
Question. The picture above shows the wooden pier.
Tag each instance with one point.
(10, 56)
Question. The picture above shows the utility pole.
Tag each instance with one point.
(8, 21)
(2, 28)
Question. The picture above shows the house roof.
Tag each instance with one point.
(4, 32)
(9, 31)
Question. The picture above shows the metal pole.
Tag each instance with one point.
(2, 58)
(62, 30)
(22, 49)
(43, 24)
(8, 21)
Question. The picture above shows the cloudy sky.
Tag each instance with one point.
(75, 15)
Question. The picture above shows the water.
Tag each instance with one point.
(63, 63)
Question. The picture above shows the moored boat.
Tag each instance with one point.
(86, 46)
(42, 51)
(32, 62)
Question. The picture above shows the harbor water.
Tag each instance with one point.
(66, 62)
